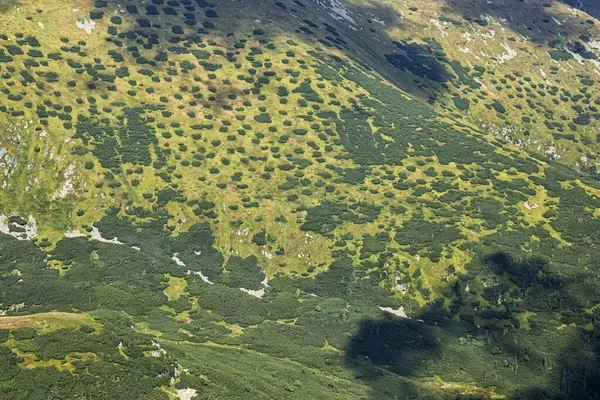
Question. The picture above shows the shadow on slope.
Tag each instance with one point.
(479, 350)
(576, 374)
(350, 28)
(589, 6)
(402, 344)
(535, 20)
(6, 5)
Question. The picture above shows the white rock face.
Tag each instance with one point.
(401, 287)
(11, 144)
(177, 373)
(399, 312)
(29, 229)
(509, 55)
(258, 293)
(97, 236)
(189, 271)
(530, 206)
(204, 278)
(551, 151)
(177, 260)
(336, 10)
(86, 25)
(73, 234)
(267, 255)
(378, 21)
(576, 56)
(67, 186)
(439, 26)
(159, 352)
(594, 45)
(186, 394)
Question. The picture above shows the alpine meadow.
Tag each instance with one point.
(299, 199)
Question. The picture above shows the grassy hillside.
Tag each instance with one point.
(297, 199)
(523, 71)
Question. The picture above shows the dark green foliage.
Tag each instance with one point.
(560, 55)
(244, 273)
(498, 107)
(583, 119)
(138, 374)
(580, 49)
(201, 54)
(463, 75)
(419, 234)
(13, 50)
(23, 333)
(490, 211)
(421, 60)
(398, 119)
(8, 364)
(411, 341)
(282, 91)
(134, 139)
(210, 13)
(308, 92)
(231, 304)
(461, 103)
(260, 238)
(4, 58)
(263, 118)
(209, 66)
(325, 217)
(375, 244)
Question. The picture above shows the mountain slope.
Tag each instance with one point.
(269, 199)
